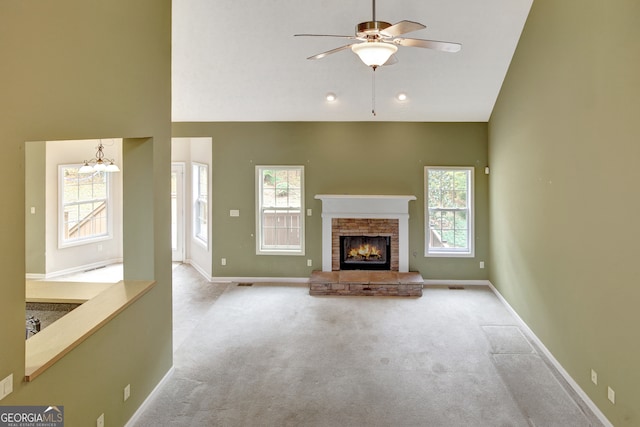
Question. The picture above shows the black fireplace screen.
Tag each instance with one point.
(365, 253)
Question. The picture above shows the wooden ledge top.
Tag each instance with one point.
(51, 344)
(63, 292)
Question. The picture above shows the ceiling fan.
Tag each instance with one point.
(378, 41)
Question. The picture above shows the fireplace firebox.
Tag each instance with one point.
(365, 253)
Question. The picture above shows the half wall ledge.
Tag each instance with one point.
(51, 344)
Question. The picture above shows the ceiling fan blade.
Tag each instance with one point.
(325, 35)
(402, 27)
(329, 52)
(429, 44)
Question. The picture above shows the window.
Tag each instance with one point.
(449, 211)
(201, 203)
(280, 222)
(84, 215)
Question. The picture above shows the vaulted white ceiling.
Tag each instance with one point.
(238, 60)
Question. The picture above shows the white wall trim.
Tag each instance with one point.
(231, 279)
(574, 385)
(198, 268)
(305, 280)
(143, 407)
(34, 276)
(437, 282)
(300, 280)
(78, 269)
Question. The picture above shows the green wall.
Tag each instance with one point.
(79, 69)
(563, 149)
(35, 224)
(339, 158)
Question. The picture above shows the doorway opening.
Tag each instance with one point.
(177, 212)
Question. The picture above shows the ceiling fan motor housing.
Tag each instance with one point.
(371, 29)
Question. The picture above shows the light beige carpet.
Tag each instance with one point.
(269, 355)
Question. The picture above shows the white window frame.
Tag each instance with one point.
(260, 248)
(469, 251)
(62, 241)
(198, 201)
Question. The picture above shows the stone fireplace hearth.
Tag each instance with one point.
(366, 217)
(366, 283)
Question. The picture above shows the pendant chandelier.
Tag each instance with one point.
(99, 163)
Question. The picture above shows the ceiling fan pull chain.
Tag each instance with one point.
(373, 92)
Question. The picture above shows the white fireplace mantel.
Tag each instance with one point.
(366, 206)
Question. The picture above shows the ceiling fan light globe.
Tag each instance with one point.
(374, 54)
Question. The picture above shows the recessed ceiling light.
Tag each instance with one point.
(402, 96)
(331, 97)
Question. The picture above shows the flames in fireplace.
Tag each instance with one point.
(364, 252)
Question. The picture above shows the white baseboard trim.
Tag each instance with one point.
(143, 407)
(302, 280)
(198, 268)
(436, 282)
(574, 385)
(231, 279)
(305, 280)
(73, 270)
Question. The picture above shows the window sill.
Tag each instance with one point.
(51, 344)
(449, 255)
(280, 252)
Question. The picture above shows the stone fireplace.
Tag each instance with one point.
(342, 228)
(365, 215)
(365, 248)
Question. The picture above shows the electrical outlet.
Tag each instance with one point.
(481, 264)
(100, 421)
(309, 212)
(309, 263)
(594, 377)
(611, 395)
(127, 392)
(223, 261)
(234, 212)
